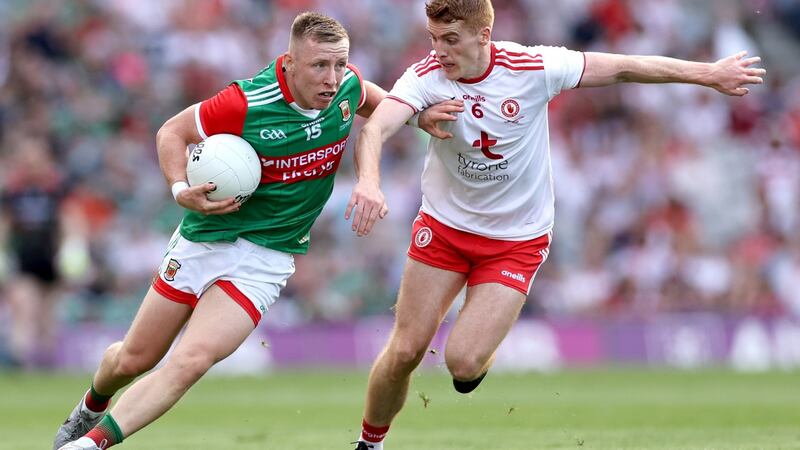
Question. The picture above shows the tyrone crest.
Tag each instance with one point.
(510, 108)
(172, 269)
(344, 106)
(423, 237)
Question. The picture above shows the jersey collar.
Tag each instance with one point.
(287, 94)
(485, 74)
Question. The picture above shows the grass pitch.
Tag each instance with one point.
(593, 409)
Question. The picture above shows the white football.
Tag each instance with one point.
(229, 162)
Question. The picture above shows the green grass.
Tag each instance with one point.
(593, 409)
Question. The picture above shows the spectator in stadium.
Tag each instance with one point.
(487, 207)
(228, 262)
(32, 210)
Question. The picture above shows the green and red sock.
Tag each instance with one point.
(96, 402)
(106, 434)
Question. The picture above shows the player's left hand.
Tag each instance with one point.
(369, 204)
(445, 111)
(735, 71)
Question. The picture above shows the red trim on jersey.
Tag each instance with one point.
(397, 99)
(515, 67)
(363, 98)
(426, 61)
(485, 74)
(422, 68)
(239, 297)
(287, 94)
(583, 71)
(429, 69)
(520, 60)
(184, 298)
(224, 112)
(426, 68)
(510, 53)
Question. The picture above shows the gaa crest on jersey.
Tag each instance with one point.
(423, 237)
(510, 108)
(344, 106)
(172, 268)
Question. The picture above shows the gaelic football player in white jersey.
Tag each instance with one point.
(487, 205)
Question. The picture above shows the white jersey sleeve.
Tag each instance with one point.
(407, 90)
(563, 68)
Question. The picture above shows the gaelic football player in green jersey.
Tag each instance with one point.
(227, 262)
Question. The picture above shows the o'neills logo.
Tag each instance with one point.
(309, 165)
(513, 276)
(423, 237)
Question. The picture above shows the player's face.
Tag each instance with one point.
(459, 49)
(315, 71)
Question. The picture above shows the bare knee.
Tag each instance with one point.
(405, 355)
(464, 366)
(127, 363)
(188, 366)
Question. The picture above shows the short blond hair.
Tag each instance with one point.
(317, 27)
(476, 14)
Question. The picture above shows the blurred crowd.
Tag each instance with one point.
(669, 198)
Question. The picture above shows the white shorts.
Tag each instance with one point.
(250, 274)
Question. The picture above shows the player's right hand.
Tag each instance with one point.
(366, 205)
(195, 198)
(733, 73)
(446, 111)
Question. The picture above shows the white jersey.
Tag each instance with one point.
(493, 178)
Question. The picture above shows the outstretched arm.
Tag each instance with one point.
(367, 199)
(728, 75)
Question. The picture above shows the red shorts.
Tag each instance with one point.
(483, 260)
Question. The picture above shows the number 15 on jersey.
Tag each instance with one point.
(313, 131)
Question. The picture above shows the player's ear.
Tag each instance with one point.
(288, 61)
(485, 36)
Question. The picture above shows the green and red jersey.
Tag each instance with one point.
(300, 151)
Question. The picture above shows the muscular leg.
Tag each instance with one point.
(150, 336)
(489, 313)
(426, 294)
(156, 324)
(216, 329)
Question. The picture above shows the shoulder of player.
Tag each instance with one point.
(263, 88)
(518, 57)
(510, 47)
(426, 65)
(264, 77)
